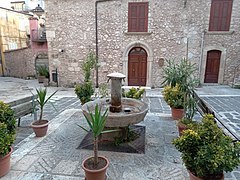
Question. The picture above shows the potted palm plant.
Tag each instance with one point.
(206, 151)
(95, 167)
(7, 135)
(174, 97)
(40, 126)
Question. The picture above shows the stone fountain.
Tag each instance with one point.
(123, 112)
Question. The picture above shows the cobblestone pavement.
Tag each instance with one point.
(56, 156)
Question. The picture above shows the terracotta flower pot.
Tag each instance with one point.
(212, 177)
(181, 128)
(40, 127)
(5, 163)
(41, 79)
(177, 113)
(99, 174)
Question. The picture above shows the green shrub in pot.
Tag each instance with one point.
(206, 151)
(7, 136)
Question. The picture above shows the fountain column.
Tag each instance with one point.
(116, 91)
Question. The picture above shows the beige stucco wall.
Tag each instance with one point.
(175, 27)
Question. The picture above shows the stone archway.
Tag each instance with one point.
(149, 60)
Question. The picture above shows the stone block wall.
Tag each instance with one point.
(176, 29)
(20, 63)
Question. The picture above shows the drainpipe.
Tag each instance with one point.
(2, 55)
(96, 28)
(201, 55)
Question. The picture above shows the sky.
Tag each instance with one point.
(31, 3)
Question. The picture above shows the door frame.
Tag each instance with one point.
(139, 63)
(149, 60)
(221, 65)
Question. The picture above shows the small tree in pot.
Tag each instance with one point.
(95, 167)
(40, 126)
(7, 134)
(206, 151)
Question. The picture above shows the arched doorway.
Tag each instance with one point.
(137, 67)
(212, 66)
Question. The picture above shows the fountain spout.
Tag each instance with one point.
(116, 91)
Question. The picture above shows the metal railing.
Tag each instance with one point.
(236, 73)
(203, 108)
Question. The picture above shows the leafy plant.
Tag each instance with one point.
(183, 75)
(131, 136)
(171, 73)
(206, 150)
(135, 93)
(96, 122)
(7, 128)
(7, 117)
(6, 139)
(88, 65)
(174, 96)
(190, 106)
(84, 91)
(43, 99)
(103, 90)
(180, 73)
(43, 71)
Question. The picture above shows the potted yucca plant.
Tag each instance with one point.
(206, 151)
(95, 167)
(40, 126)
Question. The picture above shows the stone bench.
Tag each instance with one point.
(24, 106)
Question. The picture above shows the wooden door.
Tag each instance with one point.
(137, 67)
(212, 66)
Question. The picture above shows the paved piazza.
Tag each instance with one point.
(56, 156)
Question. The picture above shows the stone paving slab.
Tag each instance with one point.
(55, 155)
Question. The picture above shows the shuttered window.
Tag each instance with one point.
(220, 16)
(138, 17)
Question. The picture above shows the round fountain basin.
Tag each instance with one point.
(133, 111)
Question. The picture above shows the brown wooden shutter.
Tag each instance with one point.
(226, 15)
(220, 16)
(138, 17)
(132, 17)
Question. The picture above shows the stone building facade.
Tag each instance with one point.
(176, 29)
